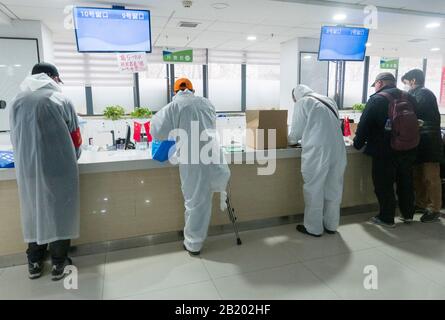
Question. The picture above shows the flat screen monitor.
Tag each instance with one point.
(112, 30)
(343, 44)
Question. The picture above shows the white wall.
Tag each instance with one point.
(289, 72)
(25, 29)
(290, 55)
(47, 44)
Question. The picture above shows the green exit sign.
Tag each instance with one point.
(184, 56)
(389, 63)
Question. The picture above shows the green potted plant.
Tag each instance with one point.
(142, 113)
(114, 113)
(359, 107)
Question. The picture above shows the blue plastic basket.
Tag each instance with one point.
(6, 159)
(162, 149)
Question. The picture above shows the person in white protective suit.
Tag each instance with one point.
(316, 123)
(46, 140)
(199, 179)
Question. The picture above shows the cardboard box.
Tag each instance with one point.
(259, 122)
(354, 127)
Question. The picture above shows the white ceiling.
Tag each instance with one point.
(273, 22)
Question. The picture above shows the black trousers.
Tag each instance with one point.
(58, 251)
(387, 172)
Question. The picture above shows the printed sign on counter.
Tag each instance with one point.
(132, 62)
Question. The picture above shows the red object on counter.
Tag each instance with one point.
(147, 131)
(347, 125)
(138, 131)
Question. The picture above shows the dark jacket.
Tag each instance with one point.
(371, 129)
(431, 145)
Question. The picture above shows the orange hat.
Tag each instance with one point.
(182, 84)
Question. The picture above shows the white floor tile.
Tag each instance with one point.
(356, 218)
(376, 236)
(345, 275)
(303, 247)
(136, 271)
(426, 256)
(260, 250)
(283, 283)
(198, 291)
(433, 230)
(14, 282)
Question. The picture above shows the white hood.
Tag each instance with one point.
(301, 91)
(38, 81)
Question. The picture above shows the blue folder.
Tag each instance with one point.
(161, 150)
(6, 159)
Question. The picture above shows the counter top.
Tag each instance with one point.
(132, 160)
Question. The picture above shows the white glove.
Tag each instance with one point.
(223, 202)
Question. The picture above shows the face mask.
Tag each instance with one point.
(407, 87)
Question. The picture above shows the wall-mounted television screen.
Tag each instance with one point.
(343, 44)
(112, 30)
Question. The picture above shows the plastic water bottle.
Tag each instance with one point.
(388, 125)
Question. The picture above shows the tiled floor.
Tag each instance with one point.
(274, 263)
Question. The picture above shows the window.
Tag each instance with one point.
(353, 83)
(111, 96)
(374, 70)
(331, 80)
(77, 96)
(194, 73)
(313, 73)
(263, 86)
(153, 87)
(225, 86)
(434, 76)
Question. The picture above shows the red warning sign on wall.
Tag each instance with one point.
(442, 89)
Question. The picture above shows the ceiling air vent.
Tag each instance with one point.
(417, 40)
(184, 24)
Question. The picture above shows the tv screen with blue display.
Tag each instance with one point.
(112, 30)
(343, 44)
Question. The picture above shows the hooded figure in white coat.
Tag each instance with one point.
(323, 162)
(46, 140)
(200, 179)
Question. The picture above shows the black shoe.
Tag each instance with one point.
(430, 217)
(35, 270)
(302, 229)
(192, 253)
(330, 232)
(58, 272)
(406, 220)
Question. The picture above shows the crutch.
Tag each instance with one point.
(226, 204)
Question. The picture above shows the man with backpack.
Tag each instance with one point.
(389, 129)
(427, 181)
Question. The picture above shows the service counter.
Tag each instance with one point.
(127, 195)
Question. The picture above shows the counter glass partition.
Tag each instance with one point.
(193, 72)
(405, 65)
(225, 86)
(434, 75)
(153, 86)
(263, 86)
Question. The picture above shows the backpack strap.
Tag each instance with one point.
(326, 104)
(387, 95)
(391, 99)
